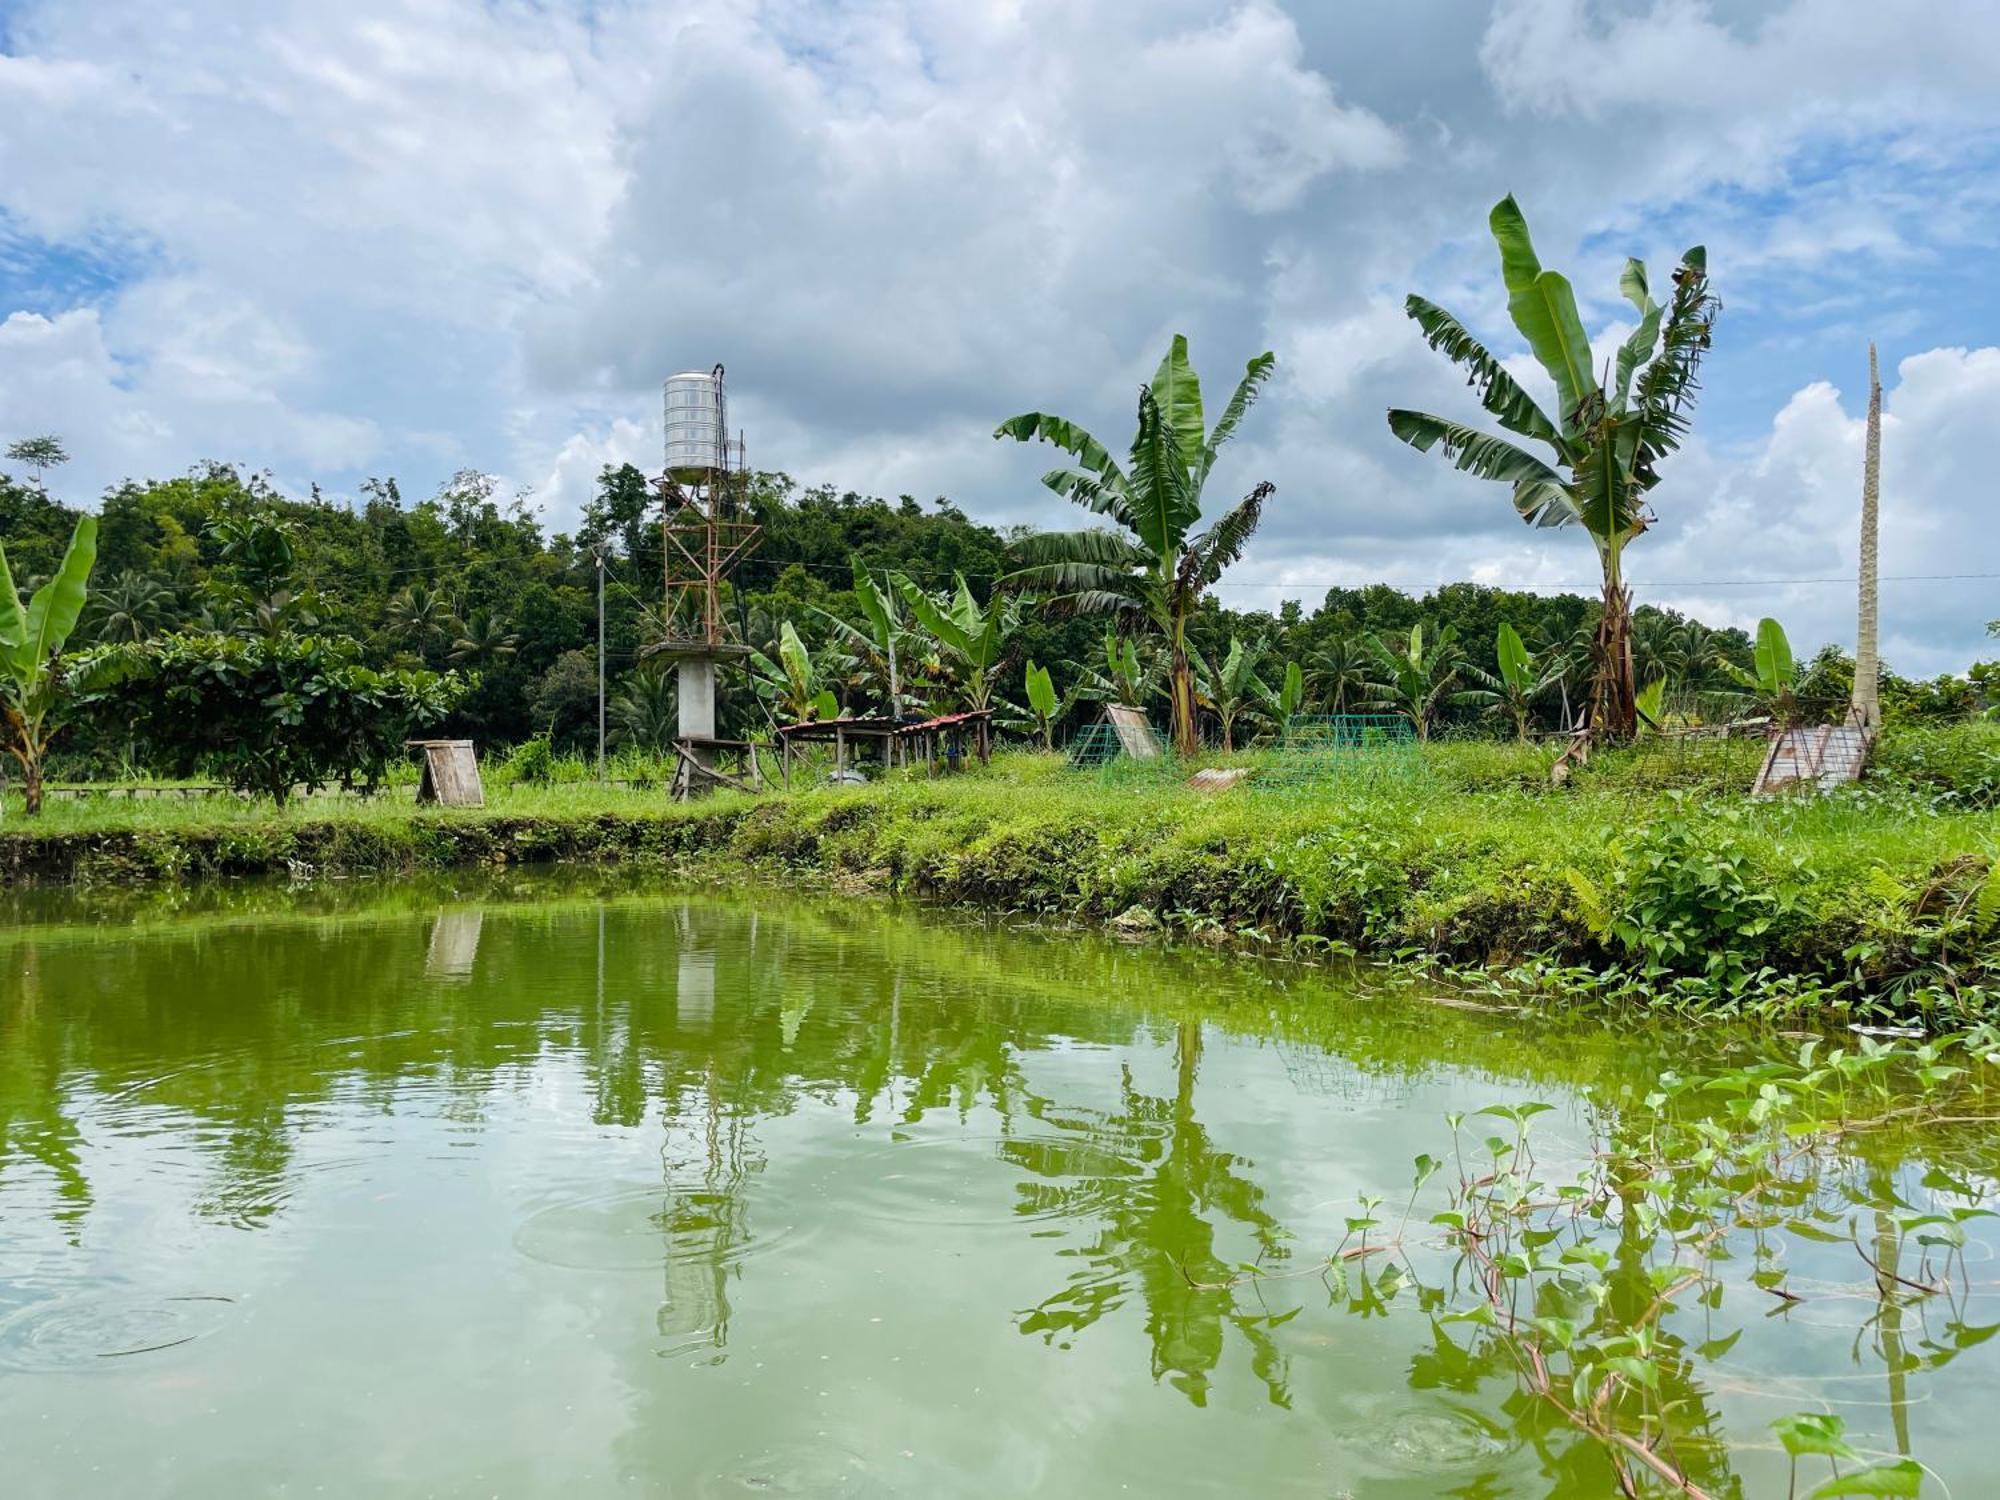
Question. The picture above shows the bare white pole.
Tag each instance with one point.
(600, 667)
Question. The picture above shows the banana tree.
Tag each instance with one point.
(792, 685)
(1283, 702)
(1128, 676)
(1229, 691)
(1418, 680)
(34, 689)
(888, 650)
(1155, 570)
(1043, 703)
(1773, 673)
(973, 639)
(1607, 437)
(1522, 680)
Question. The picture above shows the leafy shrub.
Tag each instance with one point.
(267, 713)
(1957, 766)
(1684, 898)
(531, 763)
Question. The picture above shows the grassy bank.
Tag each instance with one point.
(1644, 876)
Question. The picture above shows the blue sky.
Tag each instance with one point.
(410, 236)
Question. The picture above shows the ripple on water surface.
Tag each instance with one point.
(925, 1181)
(91, 1327)
(1383, 1435)
(642, 1227)
(818, 1469)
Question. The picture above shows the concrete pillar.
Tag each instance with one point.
(696, 702)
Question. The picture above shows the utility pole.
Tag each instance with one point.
(1867, 709)
(600, 665)
(895, 686)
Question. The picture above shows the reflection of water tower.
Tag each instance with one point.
(707, 532)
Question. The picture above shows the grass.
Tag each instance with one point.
(1648, 874)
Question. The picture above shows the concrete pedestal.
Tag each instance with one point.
(696, 702)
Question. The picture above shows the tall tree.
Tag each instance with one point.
(1867, 710)
(1609, 432)
(1338, 671)
(40, 454)
(1158, 571)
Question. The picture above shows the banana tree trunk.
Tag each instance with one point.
(31, 783)
(1182, 691)
(1185, 735)
(1614, 693)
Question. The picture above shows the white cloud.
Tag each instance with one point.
(413, 235)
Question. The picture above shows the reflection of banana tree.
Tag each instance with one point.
(1157, 1232)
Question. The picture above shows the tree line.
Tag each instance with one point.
(461, 611)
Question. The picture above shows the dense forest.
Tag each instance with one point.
(467, 580)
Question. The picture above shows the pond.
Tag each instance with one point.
(570, 1188)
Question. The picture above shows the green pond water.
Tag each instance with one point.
(569, 1189)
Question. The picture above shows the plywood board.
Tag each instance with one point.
(451, 774)
(1135, 732)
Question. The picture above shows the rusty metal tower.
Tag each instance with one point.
(707, 532)
(705, 521)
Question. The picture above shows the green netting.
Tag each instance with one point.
(1311, 733)
(1098, 747)
(1318, 750)
(1093, 746)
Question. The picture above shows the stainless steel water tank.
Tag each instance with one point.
(695, 437)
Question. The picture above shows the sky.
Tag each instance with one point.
(405, 237)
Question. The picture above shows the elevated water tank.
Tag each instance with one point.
(696, 439)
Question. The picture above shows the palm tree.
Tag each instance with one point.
(1156, 572)
(643, 712)
(1338, 671)
(1231, 690)
(133, 606)
(1521, 680)
(1607, 440)
(1418, 680)
(422, 618)
(1690, 656)
(484, 638)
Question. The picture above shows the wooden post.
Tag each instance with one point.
(785, 759)
(839, 755)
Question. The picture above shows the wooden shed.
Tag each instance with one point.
(892, 742)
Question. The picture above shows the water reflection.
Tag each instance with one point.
(968, 1166)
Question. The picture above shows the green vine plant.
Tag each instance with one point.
(1598, 1288)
